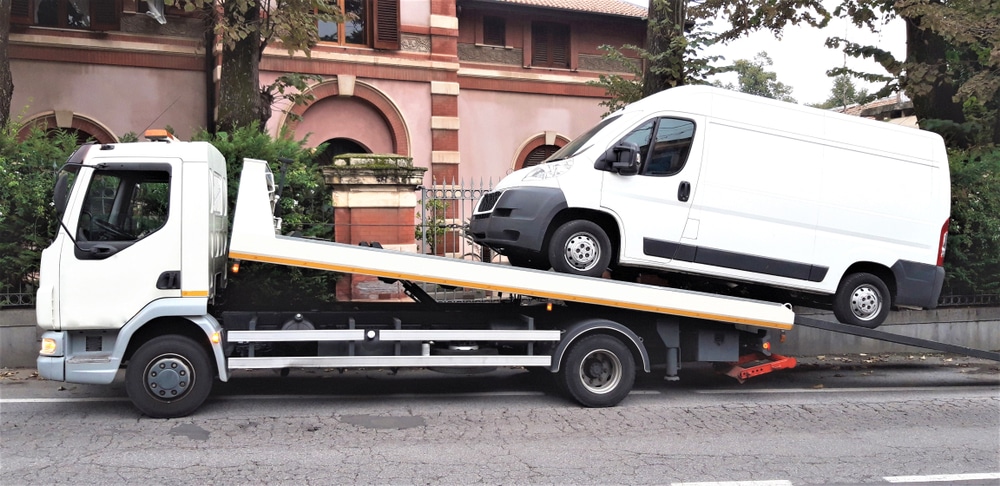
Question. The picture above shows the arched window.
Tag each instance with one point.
(538, 148)
(338, 146)
(539, 154)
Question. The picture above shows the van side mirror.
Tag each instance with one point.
(623, 158)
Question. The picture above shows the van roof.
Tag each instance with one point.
(733, 107)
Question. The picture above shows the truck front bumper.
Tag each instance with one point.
(57, 363)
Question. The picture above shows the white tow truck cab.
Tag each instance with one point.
(141, 254)
(699, 183)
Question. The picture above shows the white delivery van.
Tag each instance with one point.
(710, 182)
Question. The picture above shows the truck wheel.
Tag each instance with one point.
(862, 300)
(580, 247)
(599, 371)
(169, 376)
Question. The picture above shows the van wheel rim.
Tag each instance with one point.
(582, 251)
(600, 371)
(866, 302)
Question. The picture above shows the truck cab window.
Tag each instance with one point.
(124, 205)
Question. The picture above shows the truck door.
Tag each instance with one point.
(127, 246)
(653, 205)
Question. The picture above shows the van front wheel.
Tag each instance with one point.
(580, 247)
(862, 300)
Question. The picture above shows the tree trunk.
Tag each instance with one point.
(665, 64)
(239, 86)
(927, 48)
(6, 80)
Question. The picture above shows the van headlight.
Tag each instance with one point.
(549, 170)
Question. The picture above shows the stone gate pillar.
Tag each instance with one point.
(373, 200)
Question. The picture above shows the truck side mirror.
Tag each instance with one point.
(623, 158)
(60, 193)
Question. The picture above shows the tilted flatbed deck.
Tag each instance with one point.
(253, 239)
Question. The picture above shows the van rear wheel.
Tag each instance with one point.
(580, 247)
(862, 300)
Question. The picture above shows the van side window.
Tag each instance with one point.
(670, 148)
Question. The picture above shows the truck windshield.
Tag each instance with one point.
(579, 143)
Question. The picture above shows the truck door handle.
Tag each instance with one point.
(684, 191)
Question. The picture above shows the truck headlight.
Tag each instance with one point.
(49, 347)
(549, 170)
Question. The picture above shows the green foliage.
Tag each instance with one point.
(305, 208)
(972, 263)
(27, 215)
(755, 79)
(291, 87)
(952, 67)
(843, 94)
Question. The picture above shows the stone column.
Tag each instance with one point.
(373, 200)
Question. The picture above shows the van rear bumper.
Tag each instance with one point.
(918, 284)
(519, 219)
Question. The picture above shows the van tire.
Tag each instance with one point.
(176, 393)
(580, 247)
(862, 300)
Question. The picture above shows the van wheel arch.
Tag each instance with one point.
(606, 221)
(864, 296)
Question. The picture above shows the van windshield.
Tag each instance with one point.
(579, 143)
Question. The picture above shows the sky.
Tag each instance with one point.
(801, 59)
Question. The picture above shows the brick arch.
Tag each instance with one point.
(378, 100)
(81, 123)
(534, 142)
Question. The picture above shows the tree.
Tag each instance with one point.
(245, 28)
(665, 46)
(27, 218)
(755, 79)
(843, 94)
(6, 80)
(952, 65)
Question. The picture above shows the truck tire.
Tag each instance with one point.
(862, 300)
(580, 247)
(168, 377)
(598, 372)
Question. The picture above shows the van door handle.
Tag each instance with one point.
(684, 191)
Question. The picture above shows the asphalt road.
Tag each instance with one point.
(836, 420)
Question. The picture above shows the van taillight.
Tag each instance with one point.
(943, 243)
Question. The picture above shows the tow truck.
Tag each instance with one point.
(144, 251)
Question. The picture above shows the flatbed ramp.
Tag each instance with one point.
(895, 338)
(254, 239)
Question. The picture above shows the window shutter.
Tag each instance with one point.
(22, 12)
(386, 24)
(539, 45)
(539, 154)
(494, 31)
(560, 45)
(105, 15)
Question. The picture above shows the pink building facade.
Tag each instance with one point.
(467, 88)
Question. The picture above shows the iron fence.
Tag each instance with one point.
(23, 296)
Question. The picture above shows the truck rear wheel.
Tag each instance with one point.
(580, 247)
(168, 377)
(598, 372)
(862, 300)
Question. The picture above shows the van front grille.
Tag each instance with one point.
(488, 201)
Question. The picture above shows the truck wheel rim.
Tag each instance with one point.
(600, 371)
(866, 302)
(582, 251)
(169, 377)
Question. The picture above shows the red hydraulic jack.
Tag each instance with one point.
(760, 364)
